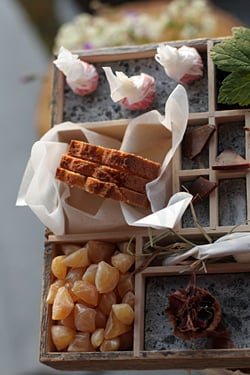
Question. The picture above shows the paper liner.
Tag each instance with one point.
(66, 210)
(235, 244)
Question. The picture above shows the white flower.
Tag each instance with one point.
(182, 65)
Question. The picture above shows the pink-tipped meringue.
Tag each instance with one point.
(182, 64)
(81, 76)
(135, 93)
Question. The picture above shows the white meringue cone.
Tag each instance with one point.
(184, 65)
(81, 76)
(135, 93)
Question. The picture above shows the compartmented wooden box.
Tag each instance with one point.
(154, 345)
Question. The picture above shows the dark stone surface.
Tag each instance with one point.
(232, 292)
(100, 107)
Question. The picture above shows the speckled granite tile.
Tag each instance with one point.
(100, 107)
(232, 292)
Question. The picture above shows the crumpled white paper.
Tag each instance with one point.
(67, 210)
(169, 216)
(81, 76)
(182, 64)
(136, 92)
(235, 244)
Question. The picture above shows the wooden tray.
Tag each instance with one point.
(227, 206)
(154, 345)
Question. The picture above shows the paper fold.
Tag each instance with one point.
(67, 210)
(235, 244)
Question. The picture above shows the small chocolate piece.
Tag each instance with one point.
(196, 139)
(229, 159)
(200, 188)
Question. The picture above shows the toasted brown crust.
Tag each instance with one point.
(125, 161)
(101, 188)
(70, 178)
(104, 173)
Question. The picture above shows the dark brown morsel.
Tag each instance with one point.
(196, 139)
(229, 159)
(200, 188)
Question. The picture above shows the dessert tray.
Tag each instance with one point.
(199, 165)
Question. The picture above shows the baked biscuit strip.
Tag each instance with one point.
(101, 188)
(124, 161)
(103, 173)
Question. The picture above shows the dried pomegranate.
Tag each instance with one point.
(193, 312)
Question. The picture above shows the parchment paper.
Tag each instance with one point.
(67, 210)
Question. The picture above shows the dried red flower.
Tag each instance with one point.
(193, 312)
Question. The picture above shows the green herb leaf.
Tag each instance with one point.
(233, 54)
(235, 89)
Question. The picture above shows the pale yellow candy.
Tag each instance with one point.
(107, 277)
(62, 336)
(114, 327)
(59, 269)
(111, 345)
(81, 343)
(68, 248)
(129, 298)
(100, 250)
(74, 274)
(86, 292)
(125, 284)
(106, 302)
(53, 290)
(63, 304)
(85, 318)
(78, 258)
(124, 313)
(69, 321)
(122, 261)
(97, 337)
(90, 273)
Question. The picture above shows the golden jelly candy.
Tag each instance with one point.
(125, 284)
(53, 290)
(97, 337)
(63, 304)
(85, 318)
(59, 269)
(114, 327)
(111, 345)
(81, 343)
(106, 278)
(129, 298)
(78, 258)
(86, 291)
(62, 336)
(74, 274)
(90, 273)
(124, 313)
(100, 250)
(122, 261)
(106, 302)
